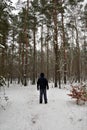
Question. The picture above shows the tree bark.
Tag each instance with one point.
(56, 48)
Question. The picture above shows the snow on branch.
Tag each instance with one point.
(1, 46)
(2, 81)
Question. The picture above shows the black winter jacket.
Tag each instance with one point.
(42, 83)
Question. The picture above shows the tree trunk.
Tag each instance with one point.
(56, 48)
(42, 48)
(26, 43)
(34, 58)
(77, 55)
(64, 49)
(19, 63)
(47, 46)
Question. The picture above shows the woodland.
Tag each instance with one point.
(47, 36)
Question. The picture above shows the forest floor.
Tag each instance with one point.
(22, 110)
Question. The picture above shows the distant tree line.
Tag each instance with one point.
(47, 36)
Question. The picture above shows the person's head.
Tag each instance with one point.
(42, 74)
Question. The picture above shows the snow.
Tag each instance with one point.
(22, 110)
(1, 46)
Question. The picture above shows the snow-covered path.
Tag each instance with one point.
(23, 111)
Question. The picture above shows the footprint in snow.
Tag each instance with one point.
(34, 119)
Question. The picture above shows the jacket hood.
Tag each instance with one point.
(42, 74)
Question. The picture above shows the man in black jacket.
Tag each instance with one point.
(42, 85)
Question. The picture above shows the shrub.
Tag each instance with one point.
(79, 93)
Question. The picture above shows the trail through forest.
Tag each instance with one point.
(22, 111)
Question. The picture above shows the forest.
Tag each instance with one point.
(47, 36)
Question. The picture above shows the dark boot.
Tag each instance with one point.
(45, 102)
(40, 102)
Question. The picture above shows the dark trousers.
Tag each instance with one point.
(43, 93)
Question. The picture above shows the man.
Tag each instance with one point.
(42, 85)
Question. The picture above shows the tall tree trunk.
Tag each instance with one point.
(3, 62)
(3, 57)
(42, 48)
(22, 63)
(77, 55)
(19, 63)
(64, 48)
(56, 48)
(11, 67)
(47, 44)
(12, 53)
(26, 45)
(34, 58)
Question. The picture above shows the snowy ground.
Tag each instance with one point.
(23, 112)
